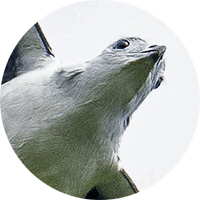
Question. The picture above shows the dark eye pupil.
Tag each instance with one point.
(159, 81)
(121, 44)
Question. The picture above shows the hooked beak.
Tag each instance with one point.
(156, 52)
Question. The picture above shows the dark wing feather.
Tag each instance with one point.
(31, 49)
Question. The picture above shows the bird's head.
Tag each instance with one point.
(125, 72)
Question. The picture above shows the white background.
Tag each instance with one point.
(182, 18)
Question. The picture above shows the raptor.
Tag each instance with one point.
(65, 124)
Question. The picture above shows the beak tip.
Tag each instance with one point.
(161, 49)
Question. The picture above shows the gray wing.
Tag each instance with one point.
(129, 180)
(32, 49)
(117, 185)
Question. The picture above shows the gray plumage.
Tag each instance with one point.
(66, 126)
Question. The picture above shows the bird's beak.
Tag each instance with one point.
(155, 52)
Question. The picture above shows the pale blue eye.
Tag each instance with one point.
(159, 81)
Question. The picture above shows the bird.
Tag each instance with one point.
(65, 123)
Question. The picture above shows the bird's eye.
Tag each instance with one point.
(159, 81)
(122, 44)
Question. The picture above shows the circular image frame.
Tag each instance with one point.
(177, 86)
